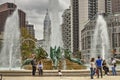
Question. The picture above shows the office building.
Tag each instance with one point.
(113, 25)
(115, 6)
(108, 7)
(31, 30)
(66, 29)
(75, 25)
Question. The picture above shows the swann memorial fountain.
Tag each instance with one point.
(11, 56)
(10, 62)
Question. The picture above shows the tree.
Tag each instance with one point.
(27, 43)
(39, 52)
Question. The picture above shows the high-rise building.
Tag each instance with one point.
(115, 6)
(83, 17)
(83, 11)
(95, 7)
(46, 41)
(108, 7)
(92, 8)
(75, 25)
(47, 26)
(6, 10)
(30, 29)
(112, 6)
(47, 33)
(101, 6)
(88, 10)
(66, 29)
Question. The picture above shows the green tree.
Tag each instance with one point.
(27, 43)
(40, 54)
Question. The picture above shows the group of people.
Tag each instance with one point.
(35, 66)
(96, 67)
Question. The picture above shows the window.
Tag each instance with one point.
(10, 5)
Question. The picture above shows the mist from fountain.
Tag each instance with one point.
(56, 31)
(100, 43)
(10, 53)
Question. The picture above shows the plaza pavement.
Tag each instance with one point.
(58, 78)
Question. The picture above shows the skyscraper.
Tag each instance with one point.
(101, 6)
(47, 33)
(92, 8)
(95, 7)
(75, 25)
(83, 17)
(115, 6)
(88, 10)
(108, 7)
(31, 30)
(45, 42)
(47, 26)
(66, 29)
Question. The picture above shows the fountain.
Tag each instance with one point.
(100, 43)
(57, 52)
(56, 35)
(10, 53)
(52, 34)
(53, 38)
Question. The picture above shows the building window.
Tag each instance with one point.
(10, 5)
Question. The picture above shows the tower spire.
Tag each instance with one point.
(47, 11)
(47, 17)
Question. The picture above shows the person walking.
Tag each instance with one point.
(33, 63)
(40, 68)
(99, 66)
(113, 61)
(105, 67)
(92, 67)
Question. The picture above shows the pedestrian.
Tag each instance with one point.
(33, 63)
(59, 72)
(105, 67)
(99, 66)
(113, 62)
(92, 67)
(40, 68)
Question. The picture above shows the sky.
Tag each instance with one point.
(35, 12)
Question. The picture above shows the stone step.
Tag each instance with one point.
(50, 73)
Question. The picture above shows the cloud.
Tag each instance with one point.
(35, 11)
(64, 4)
